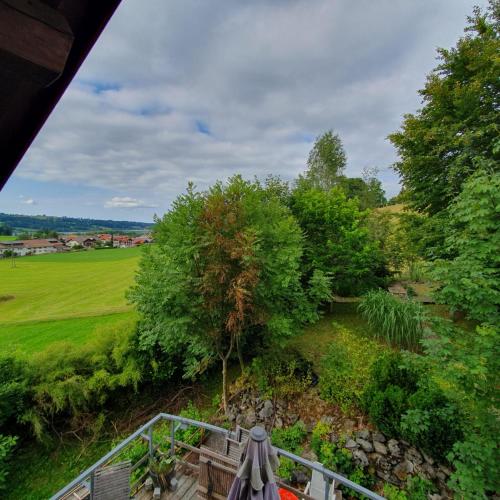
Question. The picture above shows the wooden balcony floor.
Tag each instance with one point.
(186, 489)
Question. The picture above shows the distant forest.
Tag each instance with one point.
(68, 224)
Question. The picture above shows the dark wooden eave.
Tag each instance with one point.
(42, 45)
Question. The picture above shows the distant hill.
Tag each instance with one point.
(69, 224)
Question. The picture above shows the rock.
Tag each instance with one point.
(310, 455)
(351, 444)
(334, 438)
(231, 416)
(327, 420)
(148, 485)
(383, 475)
(240, 419)
(293, 418)
(267, 410)
(366, 445)
(441, 476)
(402, 470)
(434, 496)
(413, 455)
(445, 470)
(394, 449)
(250, 419)
(156, 493)
(299, 477)
(363, 434)
(380, 447)
(378, 436)
(428, 459)
(278, 423)
(360, 458)
(428, 470)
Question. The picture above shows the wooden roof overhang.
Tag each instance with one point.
(42, 45)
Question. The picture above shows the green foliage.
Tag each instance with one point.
(470, 281)
(290, 438)
(398, 322)
(191, 435)
(286, 468)
(419, 488)
(188, 316)
(13, 389)
(320, 433)
(368, 191)
(444, 143)
(337, 241)
(466, 367)
(345, 369)
(281, 373)
(326, 162)
(7, 443)
(385, 399)
(393, 493)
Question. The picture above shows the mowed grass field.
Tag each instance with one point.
(68, 296)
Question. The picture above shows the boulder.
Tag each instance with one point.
(413, 455)
(428, 459)
(267, 410)
(351, 444)
(402, 470)
(363, 434)
(366, 445)
(360, 458)
(327, 420)
(378, 436)
(380, 447)
(278, 423)
(394, 449)
(299, 477)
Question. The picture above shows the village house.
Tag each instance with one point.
(83, 241)
(31, 247)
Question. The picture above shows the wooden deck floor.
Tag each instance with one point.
(186, 489)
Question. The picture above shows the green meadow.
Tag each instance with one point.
(55, 297)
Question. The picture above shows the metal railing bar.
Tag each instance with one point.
(219, 430)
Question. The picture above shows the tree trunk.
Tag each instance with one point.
(224, 384)
(240, 356)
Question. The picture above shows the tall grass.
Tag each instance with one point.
(398, 322)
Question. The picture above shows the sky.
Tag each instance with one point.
(198, 90)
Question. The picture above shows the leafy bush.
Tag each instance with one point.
(281, 373)
(419, 488)
(13, 389)
(393, 493)
(402, 402)
(432, 422)
(398, 322)
(290, 438)
(385, 399)
(6, 445)
(345, 369)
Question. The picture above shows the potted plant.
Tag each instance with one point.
(161, 470)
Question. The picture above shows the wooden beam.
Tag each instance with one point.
(35, 40)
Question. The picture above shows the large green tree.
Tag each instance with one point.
(337, 240)
(470, 281)
(457, 128)
(326, 162)
(226, 270)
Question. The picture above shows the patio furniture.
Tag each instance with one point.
(112, 482)
(216, 474)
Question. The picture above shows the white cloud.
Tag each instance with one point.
(126, 202)
(263, 77)
(27, 201)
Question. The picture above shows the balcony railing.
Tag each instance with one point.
(147, 432)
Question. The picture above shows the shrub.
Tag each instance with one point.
(6, 445)
(281, 373)
(432, 422)
(320, 433)
(385, 399)
(419, 488)
(290, 438)
(13, 389)
(393, 493)
(398, 322)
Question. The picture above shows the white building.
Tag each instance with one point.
(31, 247)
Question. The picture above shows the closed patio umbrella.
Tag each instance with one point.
(255, 478)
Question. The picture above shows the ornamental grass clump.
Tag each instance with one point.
(398, 322)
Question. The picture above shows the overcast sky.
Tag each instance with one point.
(197, 90)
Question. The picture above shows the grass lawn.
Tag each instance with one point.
(71, 285)
(34, 336)
(344, 325)
(7, 238)
(47, 298)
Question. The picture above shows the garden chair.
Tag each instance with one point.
(216, 474)
(112, 482)
(233, 447)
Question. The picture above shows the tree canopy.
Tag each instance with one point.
(226, 270)
(456, 130)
